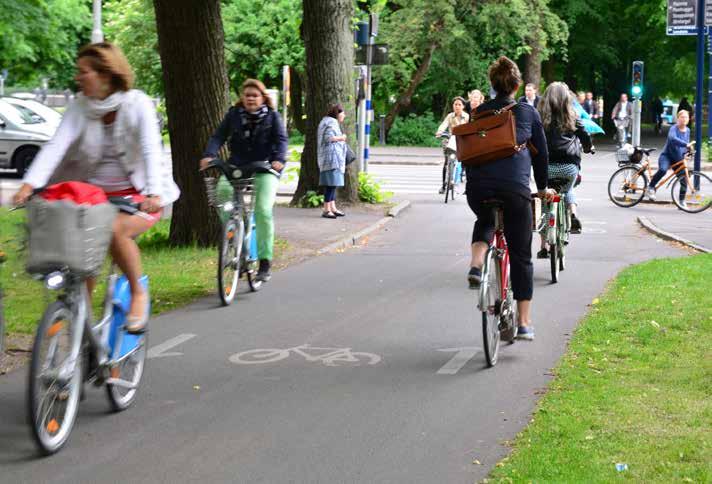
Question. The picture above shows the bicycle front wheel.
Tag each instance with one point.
(554, 262)
(627, 187)
(229, 259)
(54, 381)
(692, 199)
(129, 372)
(491, 310)
(448, 180)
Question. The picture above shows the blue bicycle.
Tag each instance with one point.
(70, 350)
(237, 254)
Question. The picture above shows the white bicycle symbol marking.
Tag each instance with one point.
(327, 356)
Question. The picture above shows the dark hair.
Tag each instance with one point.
(334, 110)
(504, 76)
(461, 99)
(108, 59)
(254, 83)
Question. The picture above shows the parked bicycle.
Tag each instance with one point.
(453, 168)
(555, 227)
(237, 255)
(691, 190)
(495, 297)
(70, 350)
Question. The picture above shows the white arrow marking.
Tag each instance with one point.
(460, 359)
(159, 351)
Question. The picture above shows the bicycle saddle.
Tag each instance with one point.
(558, 183)
(492, 203)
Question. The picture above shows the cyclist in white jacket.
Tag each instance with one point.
(109, 137)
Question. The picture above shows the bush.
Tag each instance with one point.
(369, 190)
(296, 138)
(414, 130)
(311, 199)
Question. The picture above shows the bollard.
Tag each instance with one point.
(382, 131)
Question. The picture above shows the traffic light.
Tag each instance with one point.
(637, 87)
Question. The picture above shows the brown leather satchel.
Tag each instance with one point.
(489, 136)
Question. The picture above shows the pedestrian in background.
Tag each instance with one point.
(530, 96)
(686, 106)
(658, 110)
(475, 99)
(331, 157)
(621, 116)
(591, 107)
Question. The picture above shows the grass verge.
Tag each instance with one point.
(178, 275)
(634, 388)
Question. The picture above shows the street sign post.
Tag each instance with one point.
(700, 83)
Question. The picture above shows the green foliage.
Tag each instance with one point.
(311, 199)
(369, 190)
(414, 131)
(131, 24)
(40, 38)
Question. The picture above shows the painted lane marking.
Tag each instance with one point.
(326, 356)
(159, 351)
(462, 356)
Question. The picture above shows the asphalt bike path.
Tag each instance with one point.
(401, 394)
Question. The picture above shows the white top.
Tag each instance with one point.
(109, 174)
(623, 113)
(63, 157)
(531, 101)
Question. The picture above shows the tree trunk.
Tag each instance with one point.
(532, 60)
(404, 99)
(190, 42)
(328, 45)
(549, 71)
(296, 108)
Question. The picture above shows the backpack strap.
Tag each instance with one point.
(492, 112)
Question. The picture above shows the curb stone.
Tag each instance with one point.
(655, 230)
(355, 238)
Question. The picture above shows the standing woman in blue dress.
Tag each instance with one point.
(331, 156)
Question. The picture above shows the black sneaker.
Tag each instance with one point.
(575, 224)
(542, 254)
(263, 273)
(474, 278)
(442, 190)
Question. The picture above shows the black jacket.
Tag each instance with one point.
(565, 147)
(268, 143)
(512, 174)
(523, 99)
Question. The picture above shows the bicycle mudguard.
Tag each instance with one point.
(252, 249)
(122, 305)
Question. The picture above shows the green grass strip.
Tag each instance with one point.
(178, 275)
(634, 388)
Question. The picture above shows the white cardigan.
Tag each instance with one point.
(60, 159)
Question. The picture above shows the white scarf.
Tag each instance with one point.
(95, 110)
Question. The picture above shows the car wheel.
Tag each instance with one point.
(23, 158)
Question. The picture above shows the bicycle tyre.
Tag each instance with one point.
(700, 201)
(626, 199)
(564, 227)
(448, 178)
(491, 312)
(121, 401)
(49, 434)
(230, 253)
(554, 263)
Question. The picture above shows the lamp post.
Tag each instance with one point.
(97, 35)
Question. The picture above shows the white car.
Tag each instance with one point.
(36, 109)
(21, 137)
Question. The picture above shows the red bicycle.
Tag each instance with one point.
(496, 299)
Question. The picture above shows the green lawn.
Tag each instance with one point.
(178, 275)
(635, 386)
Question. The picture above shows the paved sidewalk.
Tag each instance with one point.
(306, 232)
(694, 227)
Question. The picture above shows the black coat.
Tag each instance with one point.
(565, 147)
(523, 99)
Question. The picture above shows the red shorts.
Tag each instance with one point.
(152, 218)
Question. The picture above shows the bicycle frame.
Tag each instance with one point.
(498, 246)
(676, 167)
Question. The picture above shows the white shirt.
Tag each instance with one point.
(623, 113)
(531, 101)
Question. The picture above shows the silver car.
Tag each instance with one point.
(36, 110)
(21, 136)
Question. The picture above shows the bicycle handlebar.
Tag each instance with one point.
(233, 172)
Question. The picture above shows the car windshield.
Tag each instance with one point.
(14, 115)
(28, 114)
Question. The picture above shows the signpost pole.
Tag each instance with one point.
(699, 97)
(709, 90)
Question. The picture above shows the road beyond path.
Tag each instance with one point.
(398, 391)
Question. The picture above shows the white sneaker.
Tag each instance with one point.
(683, 204)
(651, 194)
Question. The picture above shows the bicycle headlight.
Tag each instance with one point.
(228, 206)
(237, 173)
(452, 156)
(54, 281)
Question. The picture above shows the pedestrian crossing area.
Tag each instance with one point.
(408, 179)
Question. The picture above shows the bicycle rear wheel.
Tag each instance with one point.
(626, 187)
(229, 259)
(53, 392)
(491, 310)
(554, 262)
(696, 198)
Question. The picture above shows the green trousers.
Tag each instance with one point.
(266, 186)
